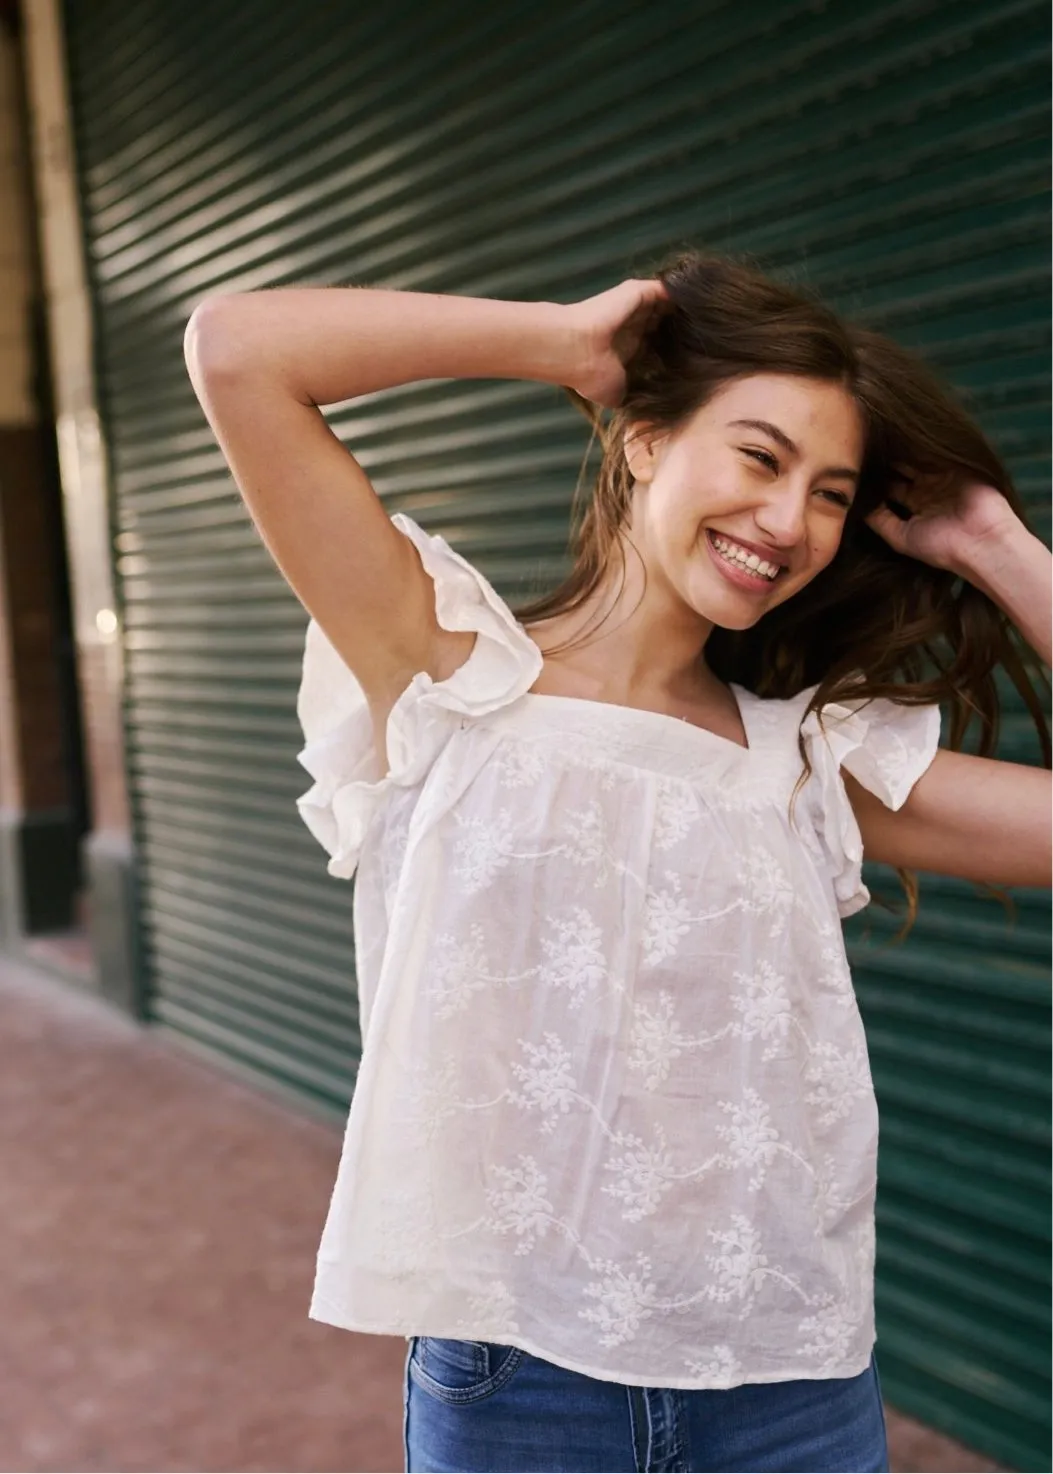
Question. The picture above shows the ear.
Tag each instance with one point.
(640, 446)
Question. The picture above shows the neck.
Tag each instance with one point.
(633, 641)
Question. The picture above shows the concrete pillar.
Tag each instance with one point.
(38, 857)
(108, 852)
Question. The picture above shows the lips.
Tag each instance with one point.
(751, 583)
(768, 554)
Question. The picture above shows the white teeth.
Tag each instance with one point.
(734, 554)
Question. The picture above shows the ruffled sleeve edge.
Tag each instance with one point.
(339, 751)
(886, 746)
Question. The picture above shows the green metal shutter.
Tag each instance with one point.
(893, 153)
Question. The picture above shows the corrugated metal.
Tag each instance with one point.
(894, 153)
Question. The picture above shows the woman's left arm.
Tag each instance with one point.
(1013, 568)
(980, 819)
(974, 817)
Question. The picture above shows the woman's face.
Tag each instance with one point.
(745, 503)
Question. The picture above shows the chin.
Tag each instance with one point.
(723, 610)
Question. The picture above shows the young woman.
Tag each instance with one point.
(610, 1164)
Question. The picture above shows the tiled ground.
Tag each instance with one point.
(158, 1224)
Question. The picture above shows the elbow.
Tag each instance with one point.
(215, 345)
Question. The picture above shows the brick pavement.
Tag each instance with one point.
(158, 1224)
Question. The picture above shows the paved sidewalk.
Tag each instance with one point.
(158, 1224)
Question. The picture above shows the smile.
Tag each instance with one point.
(743, 568)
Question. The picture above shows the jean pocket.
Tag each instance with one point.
(461, 1371)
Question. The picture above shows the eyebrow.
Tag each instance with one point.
(781, 438)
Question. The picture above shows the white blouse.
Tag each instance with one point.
(614, 1105)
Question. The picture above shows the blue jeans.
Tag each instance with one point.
(475, 1405)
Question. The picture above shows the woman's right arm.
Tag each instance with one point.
(262, 362)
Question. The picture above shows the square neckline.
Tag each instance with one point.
(664, 721)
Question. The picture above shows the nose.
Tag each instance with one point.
(782, 516)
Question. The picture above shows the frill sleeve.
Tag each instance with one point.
(339, 751)
(886, 747)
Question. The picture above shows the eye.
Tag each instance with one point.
(840, 497)
(766, 459)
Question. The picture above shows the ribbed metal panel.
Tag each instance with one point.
(893, 153)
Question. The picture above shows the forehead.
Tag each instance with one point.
(821, 418)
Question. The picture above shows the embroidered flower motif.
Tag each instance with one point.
(752, 1139)
(668, 919)
(576, 961)
(646, 1174)
(719, 1366)
(766, 887)
(743, 1266)
(829, 1205)
(495, 1307)
(548, 1083)
(764, 1005)
(677, 810)
(656, 1040)
(832, 972)
(459, 969)
(429, 1098)
(482, 849)
(587, 848)
(520, 764)
(588, 843)
(520, 1207)
(840, 1076)
(833, 1330)
(404, 1238)
(626, 1299)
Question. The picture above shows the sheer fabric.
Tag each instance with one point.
(614, 1105)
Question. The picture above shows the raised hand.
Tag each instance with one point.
(950, 520)
(609, 329)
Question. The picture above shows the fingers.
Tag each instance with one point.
(884, 521)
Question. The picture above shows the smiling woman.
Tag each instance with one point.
(611, 1158)
(758, 425)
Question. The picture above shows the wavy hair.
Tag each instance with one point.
(873, 623)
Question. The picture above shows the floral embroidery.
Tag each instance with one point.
(462, 968)
(833, 1331)
(575, 956)
(743, 1268)
(767, 887)
(482, 849)
(548, 1084)
(587, 848)
(626, 1299)
(719, 1367)
(764, 1005)
(678, 810)
(752, 1139)
(840, 1076)
(520, 1206)
(657, 1040)
(646, 1175)
(520, 764)
(458, 970)
(496, 1306)
(429, 1099)
(668, 919)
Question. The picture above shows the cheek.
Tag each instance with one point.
(825, 540)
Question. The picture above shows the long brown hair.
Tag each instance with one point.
(873, 623)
